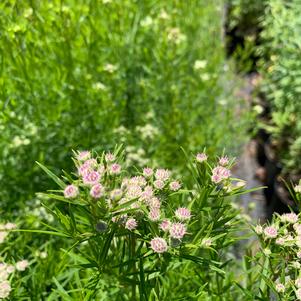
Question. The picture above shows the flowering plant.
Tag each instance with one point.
(140, 227)
(274, 269)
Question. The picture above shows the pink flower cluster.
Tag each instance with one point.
(144, 194)
(219, 174)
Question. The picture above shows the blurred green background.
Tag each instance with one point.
(89, 74)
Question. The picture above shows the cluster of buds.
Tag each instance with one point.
(282, 239)
(5, 271)
(130, 200)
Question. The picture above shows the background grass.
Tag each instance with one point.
(89, 74)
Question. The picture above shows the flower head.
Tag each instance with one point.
(22, 265)
(154, 202)
(131, 224)
(133, 192)
(162, 174)
(289, 218)
(297, 228)
(148, 172)
(5, 289)
(159, 245)
(183, 213)
(201, 157)
(71, 191)
(91, 178)
(10, 226)
(159, 184)
(223, 161)
(177, 230)
(115, 169)
(165, 225)
(96, 191)
(174, 186)
(219, 174)
(83, 155)
(298, 293)
(270, 232)
(110, 157)
(154, 214)
(280, 288)
(258, 229)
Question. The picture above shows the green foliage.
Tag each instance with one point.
(89, 74)
(280, 66)
(114, 251)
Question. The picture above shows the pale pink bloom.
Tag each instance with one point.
(96, 191)
(22, 265)
(201, 157)
(183, 213)
(115, 169)
(83, 169)
(299, 254)
(216, 178)
(147, 193)
(280, 288)
(154, 203)
(10, 269)
(91, 178)
(223, 161)
(220, 173)
(159, 245)
(10, 226)
(162, 174)
(148, 172)
(110, 157)
(165, 225)
(270, 232)
(280, 241)
(71, 191)
(174, 186)
(5, 289)
(133, 192)
(83, 155)
(289, 217)
(138, 180)
(87, 166)
(154, 214)
(298, 293)
(131, 224)
(159, 184)
(258, 229)
(177, 230)
(297, 228)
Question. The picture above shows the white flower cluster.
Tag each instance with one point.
(5, 271)
(4, 230)
(282, 239)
